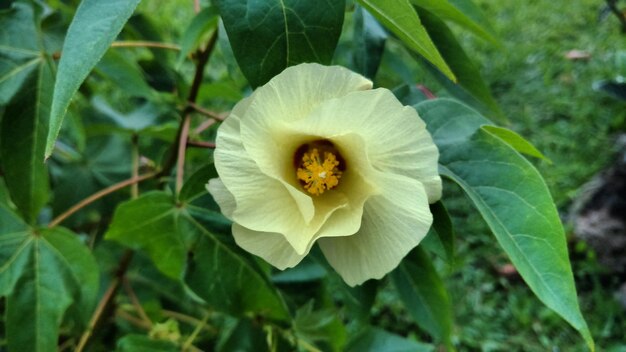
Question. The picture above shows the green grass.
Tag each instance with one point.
(549, 100)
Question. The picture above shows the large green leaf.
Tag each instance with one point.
(19, 50)
(513, 199)
(22, 142)
(94, 27)
(400, 17)
(424, 295)
(180, 239)
(469, 86)
(446, 10)
(268, 36)
(42, 272)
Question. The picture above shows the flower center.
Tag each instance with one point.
(319, 167)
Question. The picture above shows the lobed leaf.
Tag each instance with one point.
(513, 199)
(42, 273)
(93, 29)
(269, 36)
(400, 18)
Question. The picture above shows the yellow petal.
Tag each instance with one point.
(394, 222)
(396, 137)
(273, 247)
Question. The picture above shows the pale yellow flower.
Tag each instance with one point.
(316, 155)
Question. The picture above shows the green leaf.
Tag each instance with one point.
(151, 223)
(179, 239)
(369, 39)
(142, 343)
(469, 86)
(19, 50)
(378, 340)
(513, 199)
(23, 140)
(125, 74)
(446, 10)
(242, 335)
(269, 36)
(42, 273)
(516, 141)
(321, 328)
(94, 27)
(424, 295)
(440, 238)
(203, 23)
(400, 17)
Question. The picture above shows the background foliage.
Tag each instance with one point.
(135, 91)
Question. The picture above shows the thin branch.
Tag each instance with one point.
(200, 144)
(94, 197)
(106, 299)
(182, 148)
(133, 298)
(205, 112)
(203, 58)
(133, 319)
(189, 342)
(196, 6)
(203, 126)
(188, 319)
(145, 44)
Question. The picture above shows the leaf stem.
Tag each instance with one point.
(134, 188)
(199, 144)
(144, 44)
(188, 343)
(106, 299)
(205, 112)
(135, 301)
(94, 197)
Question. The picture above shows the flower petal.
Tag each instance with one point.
(273, 247)
(288, 97)
(396, 138)
(222, 196)
(394, 222)
(286, 210)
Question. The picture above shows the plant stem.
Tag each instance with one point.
(133, 298)
(94, 197)
(145, 44)
(134, 188)
(182, 148)
(106, 299)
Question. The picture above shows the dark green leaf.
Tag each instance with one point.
(409, 94)
(42, 273)
(269, 36)
(440, 238)
(203, 23)
(424, 295)
(94, 27)
(369, 38)
(469, 86)
(513, 199)
(446, 10)
(243, 335)
(400, 17)
(24, 128)
(378, 340)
